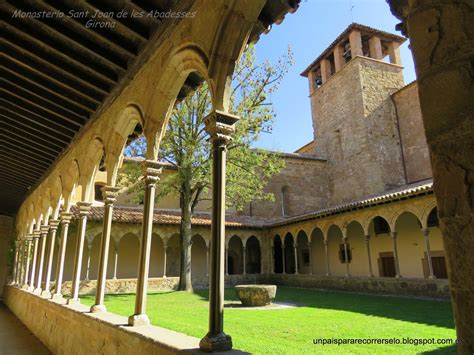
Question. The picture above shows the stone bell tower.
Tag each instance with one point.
(354, 118)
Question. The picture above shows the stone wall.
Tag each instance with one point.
(412, 133)
(6, 236)
(73, 330)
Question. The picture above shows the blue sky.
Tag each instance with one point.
(309, 31)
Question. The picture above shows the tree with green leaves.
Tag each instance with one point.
(186, 148)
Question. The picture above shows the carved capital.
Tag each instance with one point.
(36, 234)
(53, 224)
(110, 194)
(84, 208)
(393, 234)
(65, 217)
(220, 125)
(30, 237)
(151, 171)
(426, 232)
(44, 230)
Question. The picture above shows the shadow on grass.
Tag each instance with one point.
(430, 312)
(452, 349)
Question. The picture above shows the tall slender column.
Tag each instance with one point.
(369, 259)
(15, 264)
(36, 240)
(88, 261)
(244, 257)
(53, 224)
(395, 254)
(65, 219)
(207, 260)
(310, 258)
(110, 195)
(426, 234)
(39, 276)
(295, 247)
(29, 241)
(115, 261)
(84, 209)
(283, 257)
(152, 170)
(328, 272)
(346, 256)
(20, 264)
(226, 258)
(165, 252)
(219, 126)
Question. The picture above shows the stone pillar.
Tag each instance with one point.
(84, 209)
(226, 258)
(53, 227)
(339, 60)
(394, 53)
(395, 254)
(346, 255)
(65, 220)
(355, 42)
(328, 272)
(310, 258)
(20, 264)
(152, 170)
(283, 257)
(29, 241)
(441, 41)
(110, 194)
(207, 260)
(88, 261)
(369, 260)
(426, 234)
(295, 249)
(325, 70)
(39, 276)
(165, 252)
(36, 240)
(15, 263)
(245, 259)
(219, 125)
(272, 261)
(115, 261)
(375, 48)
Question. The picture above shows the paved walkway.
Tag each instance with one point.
(15, 338)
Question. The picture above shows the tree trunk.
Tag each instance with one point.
(185, 198)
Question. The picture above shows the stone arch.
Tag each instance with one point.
(199, 263)
(318, 252)
(334, 237)
(303, 252)
(289, 253)
(173, 255)
(157, 256)
(367, 223)
(235, 255)
(396, 215)
(430, 206)
(128, 248)
(253, 256)
(357, 248)
(88, 166)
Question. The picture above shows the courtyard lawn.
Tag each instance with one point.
(319, 314)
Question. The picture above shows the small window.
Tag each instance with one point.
(98, 192)
(342, 254)
(381, 226)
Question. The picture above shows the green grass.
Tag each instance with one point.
(319, 314)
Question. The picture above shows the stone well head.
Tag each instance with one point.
(256, 295)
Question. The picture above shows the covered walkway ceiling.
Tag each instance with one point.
(57, 74)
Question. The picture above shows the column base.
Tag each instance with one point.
(98, 308)
(30, 289)
(24, 287)
(37, 291)
(73, 301)
(371, 275)
(432, 277)
(138, 319)
(398, 276)
(57, 297)
(219, 342)
(46, 294)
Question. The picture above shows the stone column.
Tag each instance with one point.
(328, 272)
(355, 41)
(152, 170)
(339, 60)
(395, 254)
(207, 260)
(375, 47)
(369, 260)
(15, 263)
(115, 261)
(65, 220)
(84, 209)
(295, 249)
(36, 240)
(226, 258)
(27, 265)
(53, 224)
(165, 251)
(346, 256)
(110, 194)
(426, 234)
(310, 258)
(219, 126)
(284, 257)
(272, 261)
(325, 70)
(394, 53)
(245, 260)
(441, 41)
(39, 276)
(20, 264)
(88, 261)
